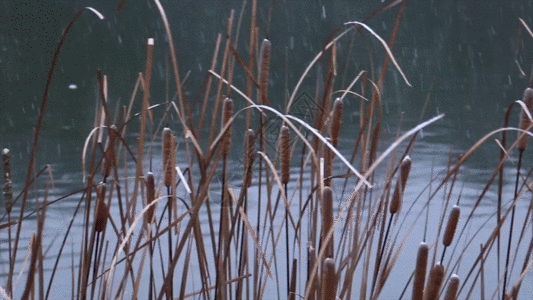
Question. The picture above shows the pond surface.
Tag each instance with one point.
(459, 57)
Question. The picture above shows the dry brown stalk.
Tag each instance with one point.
(397, 197)
(453, 287)
(436, 276)
(525, 121)
(420, 271)
(284, 138)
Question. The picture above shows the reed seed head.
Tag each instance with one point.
(8, 185)
(338, 106)
(169, 156)
(327, 218)
(329, 280)
(451, 226)
(397, 196)
(227, 114)
(150, 195)
(420, 271)
(328, 163)
(525, 122)
(436, 276)
(453, 287)
(102, 211)
(264, 65)
(285, 146)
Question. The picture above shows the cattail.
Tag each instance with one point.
(264, 65)
(110, 151)
(436, 276)
(227, 114)
(327, 219)
(311, 260)
(285, 145)
(338, 106)
(525, 122)
(328, 162)
(102, 212)
(329, 280)
(8, 188)
(453, 287)
(169, 156)
(451, 226)
(150, 196)
(420, 271)
(397, 197)
(249, 147)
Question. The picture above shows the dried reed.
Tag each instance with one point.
(436, 277)
(453, 287)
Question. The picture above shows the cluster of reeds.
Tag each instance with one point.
(318, 228)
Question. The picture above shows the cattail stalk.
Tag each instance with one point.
(285, 148)
(453, 287)
(453, 220)
(220, 291)
(420, 271)
(8, 204)
(150, 197)
(264, 66)
(436, 276)
(249, 152)
(169, 163)
(524, 124)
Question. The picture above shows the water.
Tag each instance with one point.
(459, 55)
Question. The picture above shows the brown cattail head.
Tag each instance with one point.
(451, 226)
(285, 148)
(249, 151)
(8, 185)
(110, 151)
(329, 280)
(327, 219)
(436, 276)
(336, 122)
(169, 156)
(397, 196)
(227, 114)
(150, 196)
(420, 271)
(328, 163)
(453, 287)
(264, 65)
(102, 212)
(525, 122)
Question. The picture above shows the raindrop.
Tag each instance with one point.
(323, 12)
(73, 87)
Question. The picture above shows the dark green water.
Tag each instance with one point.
(459, 54)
